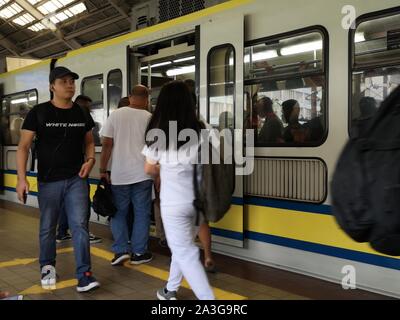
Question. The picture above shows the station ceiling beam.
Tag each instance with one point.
(72, 44)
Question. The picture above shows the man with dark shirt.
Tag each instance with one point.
(271, 131)
(62, 230)
(62, 128)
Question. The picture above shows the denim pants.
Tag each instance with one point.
(139, 194)
(63, 220)
(72, 195)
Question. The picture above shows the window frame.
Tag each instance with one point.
(225, 45)
(13, 94)
(375, 15)
(108, 81)
(325, 71)
(221, 46)
(95, 76)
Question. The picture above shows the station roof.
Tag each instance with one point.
(39, 29)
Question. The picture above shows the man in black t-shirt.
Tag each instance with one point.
(62, 129)
(62, 230)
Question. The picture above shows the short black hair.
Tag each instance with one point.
(81, 97)
(124, 102)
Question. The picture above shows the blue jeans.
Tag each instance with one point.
(71, 194)
(62, 223)
(139, 194)
(63, 220)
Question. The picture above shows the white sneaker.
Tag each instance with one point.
(48, 277)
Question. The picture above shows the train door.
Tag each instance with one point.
(221, 103)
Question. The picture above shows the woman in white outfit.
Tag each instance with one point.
(173, 162)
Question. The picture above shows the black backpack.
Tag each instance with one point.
(103, 201)
(213, 193)
(366, 182)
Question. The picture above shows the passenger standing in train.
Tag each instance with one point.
(294, 132)
(61, 128)
(271, 131)
(62, 230)
(175, 103)
(123, 139)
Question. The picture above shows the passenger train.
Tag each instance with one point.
(238, 53)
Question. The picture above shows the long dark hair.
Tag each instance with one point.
(175, 103)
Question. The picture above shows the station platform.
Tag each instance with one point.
(234, 280)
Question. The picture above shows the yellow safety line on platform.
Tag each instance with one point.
(36, 289)
(146, 269)
(16, 262)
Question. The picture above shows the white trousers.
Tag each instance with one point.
(180, 231)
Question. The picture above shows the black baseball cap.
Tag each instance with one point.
(59, 72)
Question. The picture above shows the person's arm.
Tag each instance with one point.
(152, 168)
(24, 145)
(89, 152)
(106, 151)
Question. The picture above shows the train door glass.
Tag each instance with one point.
(221, 102)
(14, 108)
(155, 73)
(93, 88)
(375, 63)
(221, 96)
(114, 90)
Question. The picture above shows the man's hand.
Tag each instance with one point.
(22, 189)
(86, 168)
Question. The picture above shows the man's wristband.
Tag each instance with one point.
(103, 170)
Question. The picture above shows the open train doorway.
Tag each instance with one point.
(158, 63)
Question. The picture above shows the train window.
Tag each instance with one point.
(93, 87)
(156, 73)
(114, 90)
(285, 84)
(14, 108)
(375, 63)
(221, 86)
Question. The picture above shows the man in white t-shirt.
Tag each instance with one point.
(123, 139)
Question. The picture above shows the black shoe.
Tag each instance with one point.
(142, 258)
(63, 238)
(87, 283)
(120, 258)
(93, 239)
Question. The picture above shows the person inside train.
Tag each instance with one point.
(175, 103)
(294, 132)
(368, 107)
(62, 128)
(271, 130)
(62, 230)
(123, 102)
(123, 139)
(86, 102)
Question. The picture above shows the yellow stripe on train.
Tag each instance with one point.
(310, 227)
